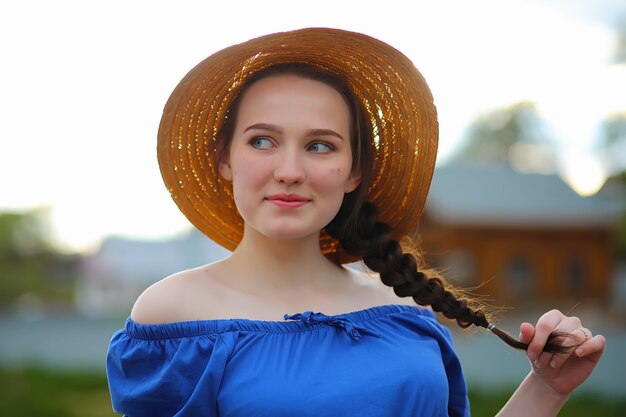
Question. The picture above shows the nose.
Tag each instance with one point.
(289, 168)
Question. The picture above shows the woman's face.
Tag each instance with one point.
(290, 157)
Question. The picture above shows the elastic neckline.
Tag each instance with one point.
(185, 329)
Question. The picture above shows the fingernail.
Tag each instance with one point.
(553, 364)
(537, 364)
(578, 352)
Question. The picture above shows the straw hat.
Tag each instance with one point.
(393, 93)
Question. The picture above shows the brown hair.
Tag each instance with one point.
(359, 232)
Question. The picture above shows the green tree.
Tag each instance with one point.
(491, 138)
(613, 147)
(613, 140)
(619, 55)
(614, 128)
(620, 230)
(29, 263)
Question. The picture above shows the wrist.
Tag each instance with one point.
(534, 383)
(533, 398)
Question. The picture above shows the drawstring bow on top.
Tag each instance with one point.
(351, 329)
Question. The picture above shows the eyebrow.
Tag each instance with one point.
(323, 132)
(264, 126)
(311, 132)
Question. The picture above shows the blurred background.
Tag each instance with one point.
(527, 206)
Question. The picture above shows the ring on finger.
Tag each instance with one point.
(586, 332)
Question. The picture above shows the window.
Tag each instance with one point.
(519, 274)
(576, 274)
(460, 266)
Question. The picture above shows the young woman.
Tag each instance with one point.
(301, 151)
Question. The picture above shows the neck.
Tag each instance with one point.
(282, 265)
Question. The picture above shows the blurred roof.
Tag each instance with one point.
(124, 259)
(503, 197)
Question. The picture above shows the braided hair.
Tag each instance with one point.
(362, 235)
(381, 252)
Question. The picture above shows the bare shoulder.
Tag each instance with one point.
(379, 293)
(179, 297)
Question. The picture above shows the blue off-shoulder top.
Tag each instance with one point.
(392, 361)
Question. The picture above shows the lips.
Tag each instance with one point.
(288, 200)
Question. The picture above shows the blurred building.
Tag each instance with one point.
(523, 237)
(113, 277)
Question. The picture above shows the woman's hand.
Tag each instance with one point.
(562, 372)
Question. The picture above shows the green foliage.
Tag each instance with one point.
(489, 139)
(42, 393)
(619, 55)
(614, 129)
(620, 229)
(35, 392)
(489, 403)
(613, 143)
(29, 263)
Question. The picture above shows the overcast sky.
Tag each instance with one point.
(84, 82)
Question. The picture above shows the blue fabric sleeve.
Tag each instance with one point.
(458, 404)
(154, 377)
(426, 323)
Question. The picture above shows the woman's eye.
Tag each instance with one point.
(261, 143)
(320, 147)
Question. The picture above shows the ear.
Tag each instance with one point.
(353, 181)
(225, 170)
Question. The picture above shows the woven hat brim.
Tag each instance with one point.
(392, 92)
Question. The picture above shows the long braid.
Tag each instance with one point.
(361, 234)
(381, 252)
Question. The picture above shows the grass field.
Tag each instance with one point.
(41, 393)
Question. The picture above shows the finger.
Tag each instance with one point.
(545, 325)
(569, 340)
(544, 360)
(573, 338)
(595, 345)
(581, 335)
(558, 359)
(578, 337)
(526, 332)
